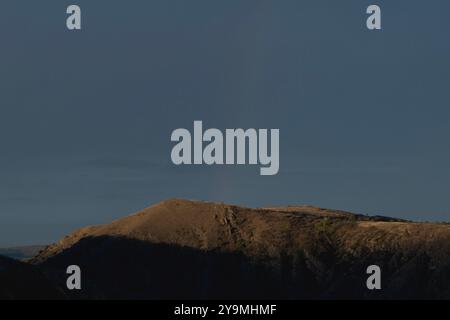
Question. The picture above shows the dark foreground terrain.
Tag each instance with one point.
(182, 249)
(22, 281)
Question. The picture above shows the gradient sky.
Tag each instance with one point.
(86, 117)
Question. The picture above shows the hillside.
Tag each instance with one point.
(192, 249)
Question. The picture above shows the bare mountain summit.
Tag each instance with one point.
(191, 249)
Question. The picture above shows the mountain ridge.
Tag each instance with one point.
(284, 252)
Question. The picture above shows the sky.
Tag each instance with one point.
(86, 116)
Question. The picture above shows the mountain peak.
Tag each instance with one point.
(291, 251)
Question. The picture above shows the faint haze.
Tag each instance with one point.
(86, 117)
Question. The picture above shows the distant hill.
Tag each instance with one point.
(21, 253)
(181, 249)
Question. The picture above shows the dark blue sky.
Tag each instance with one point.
(86, 117)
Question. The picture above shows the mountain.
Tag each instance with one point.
(181, 249)
(21, 253)
(20, 281)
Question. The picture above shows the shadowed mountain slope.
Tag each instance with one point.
(20, 281)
